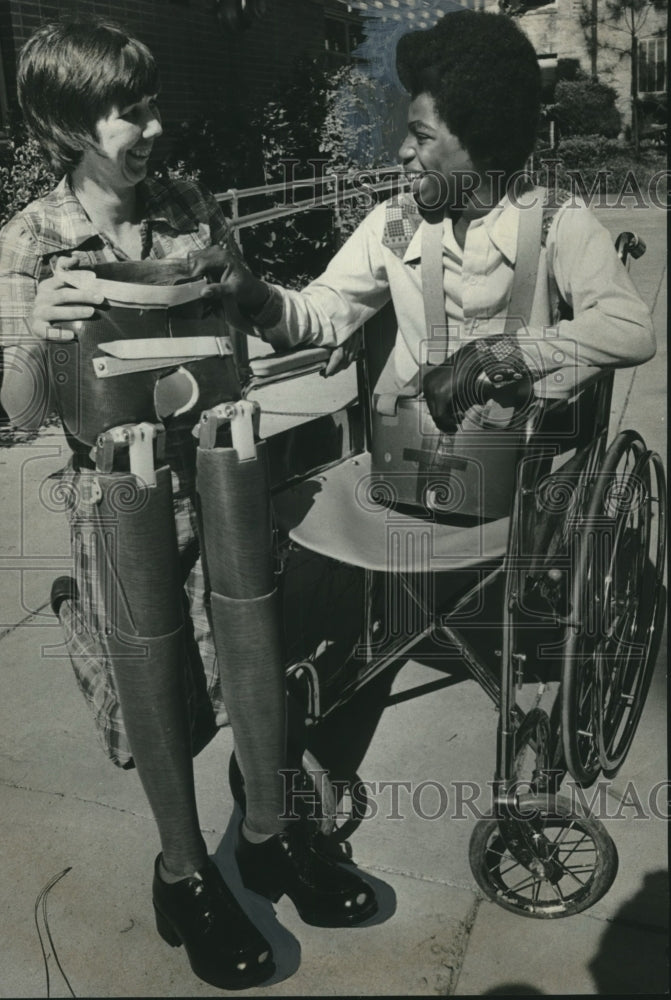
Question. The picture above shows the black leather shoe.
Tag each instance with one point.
(224, 947)
(64, 588)
(325, 893)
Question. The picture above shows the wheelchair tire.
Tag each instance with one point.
(622, 702)
(575, 860)
(608, 652)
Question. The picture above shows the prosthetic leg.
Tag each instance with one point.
(139, 611)
(236, 532)
(150, 352)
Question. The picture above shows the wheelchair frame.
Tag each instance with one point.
(602, 692)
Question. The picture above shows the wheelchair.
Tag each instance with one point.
(573, 541)
(575, 545)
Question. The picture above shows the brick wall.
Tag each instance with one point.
(196, 55)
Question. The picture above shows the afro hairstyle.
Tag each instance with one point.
(483, 75)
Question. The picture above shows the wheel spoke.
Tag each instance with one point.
(573, 850)
(523, 884)
(515, 864)
(569, 872)
(557, 891)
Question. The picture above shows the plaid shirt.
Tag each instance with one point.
(177, 216)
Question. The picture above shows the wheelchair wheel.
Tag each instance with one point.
(571, 860)
(630, 661)
(616, 583)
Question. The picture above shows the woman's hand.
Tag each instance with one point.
(59, 301)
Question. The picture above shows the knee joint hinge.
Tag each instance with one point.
(146, 446)
(244, 419)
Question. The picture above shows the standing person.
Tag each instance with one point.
(88, 92)
(475, 89)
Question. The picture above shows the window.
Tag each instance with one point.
(652, 66)
(341, 38)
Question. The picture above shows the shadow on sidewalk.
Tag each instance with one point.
(633, 954)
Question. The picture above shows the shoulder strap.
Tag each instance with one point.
(526, 263)
(434, 316)
(433, 291)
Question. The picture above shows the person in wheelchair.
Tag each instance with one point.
(448, 253)
(97, 123)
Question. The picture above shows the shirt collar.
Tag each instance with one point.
(501, 226)
(158, 204)
(72, 227)
(65, 225)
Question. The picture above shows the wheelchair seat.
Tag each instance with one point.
(335, 513)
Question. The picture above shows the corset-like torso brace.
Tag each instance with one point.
(90, 405)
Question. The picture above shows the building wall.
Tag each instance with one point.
(197, 56)
(555, 29)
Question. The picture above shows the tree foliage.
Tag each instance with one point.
(586, 107)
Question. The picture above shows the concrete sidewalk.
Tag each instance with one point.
(65, 809)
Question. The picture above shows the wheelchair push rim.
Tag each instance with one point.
(615, 598)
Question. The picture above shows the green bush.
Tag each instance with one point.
(586, 107)
(24, 176)
(588, 151)
(603, 170)
(317, 124)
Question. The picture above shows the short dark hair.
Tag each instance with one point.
(483, 75)
(71, 73)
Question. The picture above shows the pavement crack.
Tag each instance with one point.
(89, 802)
(463, 941)
(418, 876)
(24, 621)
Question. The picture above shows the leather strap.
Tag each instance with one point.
(435, 318)
(526, 263)
(433, 291)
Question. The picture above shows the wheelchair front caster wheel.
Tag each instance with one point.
(566, 863)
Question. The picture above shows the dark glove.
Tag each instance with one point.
(481, 370)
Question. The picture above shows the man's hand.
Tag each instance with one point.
(475, 373)
(64, 299)
(343, 356)
(453, 387)
(226, 266)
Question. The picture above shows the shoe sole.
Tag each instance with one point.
(312, 917)
(240, 982)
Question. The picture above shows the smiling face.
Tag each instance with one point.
(442, 169)
(125, 137)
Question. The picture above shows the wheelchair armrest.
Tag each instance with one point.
(274, 366)
(572, 380)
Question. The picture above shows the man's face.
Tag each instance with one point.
(434, 157)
